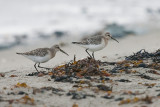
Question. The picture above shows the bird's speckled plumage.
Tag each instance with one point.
(92, 40)
(37, 52)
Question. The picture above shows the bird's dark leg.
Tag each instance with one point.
(93, 55)
(43, 67)
(35, 67)
(88, 53)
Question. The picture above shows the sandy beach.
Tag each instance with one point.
(124, 74)
(15, 68)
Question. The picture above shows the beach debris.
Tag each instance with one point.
(146, 99)
(153, 72)
(127, 101)
(26, 100)
(63, 78)
(52, 89)
(74, 70)
(119, 99)
(2, 75)
(146, 77)
(57, 91)
(157, 90)
(142, 59)
(13, 76)
(158, 95)
(108, 63)
(104, 88)
(149, 85)
(108, 97)
(155, 66)
(9, 101)
(42, 73)
(1, 98)
(4, 88)
(10, 93)
(143, 65)
(80, 68)
(78, 95)
(75, 105)
(21, 93)
(123, 80)
(17, 93)
(133, 93)
(18, 85)
(142, 54)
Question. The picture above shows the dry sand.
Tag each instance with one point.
(12, 64)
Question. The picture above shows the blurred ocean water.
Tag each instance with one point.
(33, 19)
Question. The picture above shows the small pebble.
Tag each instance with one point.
(21, 92)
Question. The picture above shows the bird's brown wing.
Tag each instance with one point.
(92, 40)
(37, 52)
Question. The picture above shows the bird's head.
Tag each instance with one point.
(57, 48)
(109, 36)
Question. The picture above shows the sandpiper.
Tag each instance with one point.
(42, 55)
(95, 43)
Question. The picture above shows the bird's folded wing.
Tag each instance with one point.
(37, 52)
(92, 40)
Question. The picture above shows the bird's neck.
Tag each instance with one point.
(106, 39)
(53, 52)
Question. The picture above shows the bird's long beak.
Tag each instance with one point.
(63, 51)
(114, 39)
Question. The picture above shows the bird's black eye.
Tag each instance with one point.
(108, 34)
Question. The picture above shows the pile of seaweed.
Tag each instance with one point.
(85, 68)
(142, 59)
(81, 68)
(89, 67)
(143, 54)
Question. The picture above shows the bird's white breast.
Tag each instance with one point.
(39, 59)
(95, 47)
